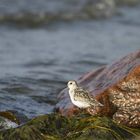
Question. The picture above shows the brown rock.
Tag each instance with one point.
(117, 86)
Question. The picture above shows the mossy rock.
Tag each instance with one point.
(80, 127)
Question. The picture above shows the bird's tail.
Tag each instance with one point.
(96, 103)
(100, 104)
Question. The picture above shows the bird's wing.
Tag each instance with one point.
(80, 94)
(95, 102)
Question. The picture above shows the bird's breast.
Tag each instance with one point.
(79, 104)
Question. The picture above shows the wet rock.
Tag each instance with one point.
(7, 123)
(10, 116)
(21, 118)
(116, 86)
(8, 120)
(14, 116)
(11, 119)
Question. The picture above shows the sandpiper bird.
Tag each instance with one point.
(81, 97)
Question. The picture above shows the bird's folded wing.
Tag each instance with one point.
(81, 95)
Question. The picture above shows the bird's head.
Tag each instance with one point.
(72, 85)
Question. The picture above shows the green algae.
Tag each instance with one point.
(79, 127)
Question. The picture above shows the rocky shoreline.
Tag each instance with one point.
(116, 86)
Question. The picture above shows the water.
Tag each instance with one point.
(35, 64)
(40, 6)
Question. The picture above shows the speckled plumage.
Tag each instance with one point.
(81, 97)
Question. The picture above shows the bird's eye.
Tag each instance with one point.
(70, 83)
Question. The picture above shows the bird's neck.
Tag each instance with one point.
(72, 89)
(71, 94)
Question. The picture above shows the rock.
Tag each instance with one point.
(7, 124)
(11, 119)
(10, 116)
(14, 116)
(116, 86)
(8, 120)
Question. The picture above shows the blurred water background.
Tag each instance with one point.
(36, 63)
